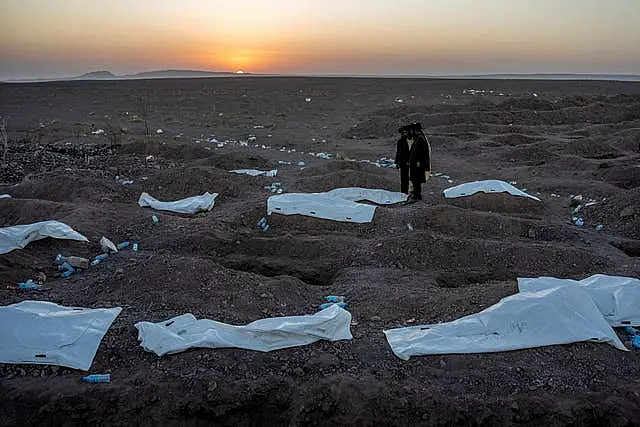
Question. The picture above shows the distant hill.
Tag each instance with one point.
(160, 74)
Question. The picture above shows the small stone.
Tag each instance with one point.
(212, 386)
(375, 318)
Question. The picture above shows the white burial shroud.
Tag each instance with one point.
(337, 205)
(190, 205)
(255, 172)
(617, 297)
(19, 236)
(184, 332)
(487, 186)
(40, 332)
(525, 320)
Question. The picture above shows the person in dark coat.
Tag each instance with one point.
(402, 159)
(419, 160)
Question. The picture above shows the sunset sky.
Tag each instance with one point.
(52, 38)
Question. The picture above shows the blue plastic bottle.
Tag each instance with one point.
(29, 285)
(636, 341)
(97, 378)
(123, 245)
(329, 304)
(60, 259)
(333, 298)
(97, 260)
(135, 247)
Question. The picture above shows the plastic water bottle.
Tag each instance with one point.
(60, 259)
(261, 223)
(333, 298)
(135, 247)
(636, 341)
(599, 227)
(97, 260)
(97, 378)
(123, 245)
(70, 272)
(631, 331)
(155, 219)
(329, 304)
(65, 267)
(29, 285)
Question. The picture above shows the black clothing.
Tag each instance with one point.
(419, 159)
(404, 179)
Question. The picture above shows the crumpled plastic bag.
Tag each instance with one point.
(185, 331)
(190, 205)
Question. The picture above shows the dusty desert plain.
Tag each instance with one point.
(552, 138)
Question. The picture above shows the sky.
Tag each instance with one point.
(55, 38)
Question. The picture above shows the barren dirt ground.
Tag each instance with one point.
(553, 139)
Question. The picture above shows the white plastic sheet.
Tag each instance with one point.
(559, 315)
(19, 236)
(184, 332)
(40, 332)
(255, 172)
(190, 205)
(487, 186)
(320, 205)
(617, 297)
(378, 196)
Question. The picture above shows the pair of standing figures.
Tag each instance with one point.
(413, 158)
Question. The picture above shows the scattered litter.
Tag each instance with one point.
(578, 221)
(124, 181)
(184, 332)
(19, 236)
(307, 99)
(275, 187)
(282, 162)
(329, 304)
(97, 378)
(190, 205)
(255, 172)
(135, 247)
(599, 227)
(155, 219)
(410, 321)
(409, 227)
(487, 186)
(560, 315)
(301, 163)
(5, 196)
(72, 261)
(98, 132)
(333, 298)
(159, 131)
(575, 200)
(107, 245)
(29, 285)
(98, 259)
(149, 158)
(123, 245)
(262, 224)
(51, 334)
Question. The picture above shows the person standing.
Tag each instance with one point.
(402, 158)
(419, 160)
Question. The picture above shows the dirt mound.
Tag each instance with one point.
(500, 203)
(516, 139)
(623, 176)
(592, 149)
(526, 103)
(75, 186)
(338, 174)
(627, 140)
(14, 211)
(619, 214)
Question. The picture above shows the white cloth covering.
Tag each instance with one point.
(487, 186)
(255, 172)
(19, 236)
(320, 205)
(560, 315)
(338, 204)
(190, 205)
(40, 332)
(185, 331)
(617, 297)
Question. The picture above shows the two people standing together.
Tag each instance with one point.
(413, 158)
